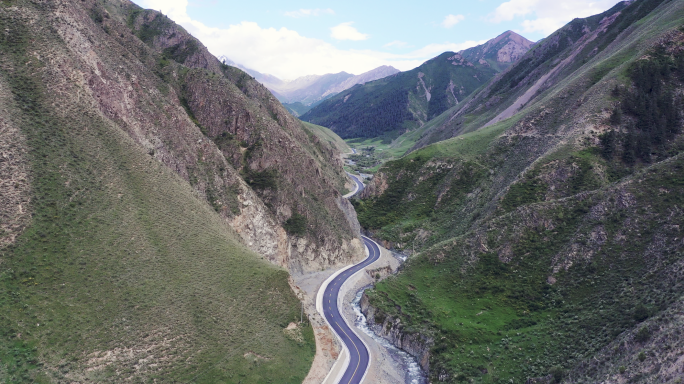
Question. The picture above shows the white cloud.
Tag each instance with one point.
(547, 16)
(396, 44)
(309, 12)
(451, 20)
(287, 54)
(345, 31)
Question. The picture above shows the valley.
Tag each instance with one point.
(510, 212)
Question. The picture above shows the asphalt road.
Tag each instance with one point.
(359, 358)
(358, 182)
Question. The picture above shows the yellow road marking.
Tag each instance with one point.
(357, 352)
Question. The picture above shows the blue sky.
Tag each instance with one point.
(297, 38)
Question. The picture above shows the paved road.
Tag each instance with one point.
(358, 182)
(359, 358)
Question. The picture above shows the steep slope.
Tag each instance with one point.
(245, 133)
(499, 52)
(403, 102)
(550, 62)
(113, 267)
(550, 243)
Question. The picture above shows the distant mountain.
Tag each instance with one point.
(407, 100)
(499, 52)
(263, 78)
(311, 89)
(374, 74)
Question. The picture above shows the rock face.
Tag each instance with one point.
(415, 344)
(501, 51)
(217, 128)
(376, 187)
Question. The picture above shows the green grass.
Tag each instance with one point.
(327, 136)
(122, 257)
(537, 203)
(468, 145)
(514, 322)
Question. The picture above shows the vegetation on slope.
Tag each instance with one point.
(327, 136)
(549, 239)
(124, 274)
(392, 105)
(290, 168)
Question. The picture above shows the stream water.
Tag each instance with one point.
(414, 374)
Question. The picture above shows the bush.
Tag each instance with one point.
(643, 334)
(642, 356)
(641, 313)
(557, 373)
(296, 224)
(622, 369)
(262, 180)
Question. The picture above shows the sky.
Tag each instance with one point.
(289, 39)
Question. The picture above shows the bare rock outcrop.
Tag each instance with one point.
(213, 125)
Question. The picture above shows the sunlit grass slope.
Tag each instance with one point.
(328, 136)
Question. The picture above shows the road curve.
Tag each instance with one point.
(359, 356)
(359, 184)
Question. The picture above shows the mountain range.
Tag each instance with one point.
(299, 95)
(405, 101)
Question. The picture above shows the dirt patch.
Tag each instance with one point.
(294, 332)
(14, 175)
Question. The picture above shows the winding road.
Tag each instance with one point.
(358, 182)
(359, 357)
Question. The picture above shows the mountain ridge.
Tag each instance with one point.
(408, 100)
(528, 235)
(311, 89)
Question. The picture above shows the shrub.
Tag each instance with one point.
(557, 373)
(642, 356)
(296, 224)
(641, 313)
(622, 369)
(643, 334)
(262, 180)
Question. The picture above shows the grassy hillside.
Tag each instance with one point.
(550, 240)
(327, 136)
(389, 106)
(124, 273)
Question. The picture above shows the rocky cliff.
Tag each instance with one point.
(390, 328)
(229, 137)
(129, 241)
